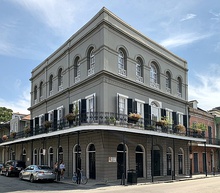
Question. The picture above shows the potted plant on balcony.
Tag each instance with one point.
(47, 124)
(163, 122)
(4, 137)
(180, 128)
(72, 116)
(27, 130)
(13, 134)
(111, 120)
(134, 116)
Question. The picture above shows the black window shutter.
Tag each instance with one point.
(46, 116)
(36, 122)
(70, 108)
(31, 125)
(185, 120)
(130, 106)
(163, 112)
(55, 119)
(174, 115)
(83, 110)
(135, 106)
(147, 115)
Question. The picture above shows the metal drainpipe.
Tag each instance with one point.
(152, 159)
(205, 160)
(173, 173)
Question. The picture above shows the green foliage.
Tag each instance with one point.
(5, 114)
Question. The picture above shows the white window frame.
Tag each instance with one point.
(88, 99)
(121, 63)
(40, 119)
(74, 104)
(59, 113)
(169, 114)
(124, 97)
(159, 106)
(180, 117)
(140, 107)
(50, 114)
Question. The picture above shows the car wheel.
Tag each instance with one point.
(20, 177)
(32, 179)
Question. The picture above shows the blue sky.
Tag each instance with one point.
(31, 30)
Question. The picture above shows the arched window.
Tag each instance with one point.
(41, 157)
(91, 61)
(139, 161)
(154, 76)
(60, 80)
(168, 82)
(181, 160)
(76, 154)
(35, 157)
(121, 162)
(169, 161)
(139, 70)
(92, 161)
(51, 85)
(35, 95)
(122, 62)
(179, 87)
(76, 70)
(41, 91)
(50, 157)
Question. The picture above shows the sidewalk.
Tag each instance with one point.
(156, 179)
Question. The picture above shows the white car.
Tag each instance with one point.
(37, 172)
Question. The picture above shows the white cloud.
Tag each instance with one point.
(183, 39)
(20, 104)
(206, 89)
(58, 15)
(188, 16)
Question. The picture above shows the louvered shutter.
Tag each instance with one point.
(147, 115)
(55, 120)
(135, 106)
(70, 108)
(46, 116)
(83, 111)
(174, 115)
(185, 120)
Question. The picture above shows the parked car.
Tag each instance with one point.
(12, 167)
(1, 165)
(37, 172)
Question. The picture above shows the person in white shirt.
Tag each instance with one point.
(62, 169)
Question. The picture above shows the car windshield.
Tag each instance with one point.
(21, 164)
(44, 167)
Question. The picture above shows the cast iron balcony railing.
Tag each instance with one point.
(111, 119)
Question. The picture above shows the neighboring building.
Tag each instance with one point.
(18, 122)
(15, 130)
(216, 113)
(201, 123)
(104, 72)
(4, 133)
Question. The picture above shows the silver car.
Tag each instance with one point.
(37, 172)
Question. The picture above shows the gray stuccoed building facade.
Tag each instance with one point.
(125, 95)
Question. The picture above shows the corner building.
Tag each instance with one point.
(104, 72)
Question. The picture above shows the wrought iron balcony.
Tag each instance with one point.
(111, 119)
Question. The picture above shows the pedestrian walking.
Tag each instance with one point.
(56, 168)
(62, 169)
